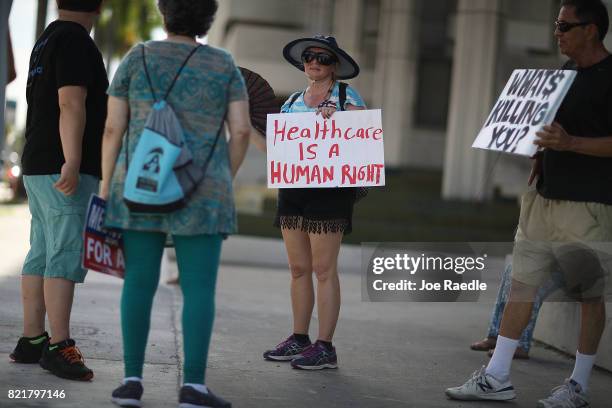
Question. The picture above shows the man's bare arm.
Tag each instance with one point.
(556, 138)
(600, 146)
(73, 115)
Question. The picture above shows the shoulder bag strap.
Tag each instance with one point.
(342, 94)
(153, 94)
(197, 47)
(293, 99)
(144, 62)
(212, 149)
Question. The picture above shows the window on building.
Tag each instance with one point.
(435, 63)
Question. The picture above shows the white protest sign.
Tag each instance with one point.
(306, 150)
(529, 101)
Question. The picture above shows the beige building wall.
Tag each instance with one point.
(477, 39)
(401, 46)
(390, 39)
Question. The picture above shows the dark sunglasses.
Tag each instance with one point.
(322, 58)
(564, 26)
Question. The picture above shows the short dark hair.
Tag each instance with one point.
(88, 6)
(188, 17)
(593, 11)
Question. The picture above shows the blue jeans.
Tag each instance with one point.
(502, 298)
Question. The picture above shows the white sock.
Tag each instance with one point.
(583, 368)
(198, 387)
(499, 366)
(126, 379)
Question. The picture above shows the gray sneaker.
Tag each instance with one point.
(568, 395)
(482, 386)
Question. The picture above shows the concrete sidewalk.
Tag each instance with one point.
(95, 327)
(390, 354)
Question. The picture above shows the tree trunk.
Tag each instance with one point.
(41, 17)
(109, 48)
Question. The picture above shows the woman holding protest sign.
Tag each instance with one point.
(314, 220)
(205, 90)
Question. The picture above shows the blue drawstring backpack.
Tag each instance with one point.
(161, 174)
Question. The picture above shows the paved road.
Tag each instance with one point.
(391, 354)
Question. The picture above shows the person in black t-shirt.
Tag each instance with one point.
(567, 222)
(66, 94)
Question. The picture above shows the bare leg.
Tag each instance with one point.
(33, 301)
(516, 316)
(593, 321)
(302, 291)
(325, 249)
(593, 316)
(518, 310)
(59, 293)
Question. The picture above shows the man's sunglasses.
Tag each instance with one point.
(322, 58)
(564, 26)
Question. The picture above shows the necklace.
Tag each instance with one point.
(326, 95)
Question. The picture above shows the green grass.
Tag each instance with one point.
(409, 208)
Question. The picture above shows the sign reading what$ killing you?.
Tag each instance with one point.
(529, 101)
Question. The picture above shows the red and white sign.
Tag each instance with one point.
(102, 248)
(306, 150)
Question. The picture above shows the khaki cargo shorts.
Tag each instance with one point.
(567, 237)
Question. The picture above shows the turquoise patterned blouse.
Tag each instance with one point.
(200, 98)
(299, 106)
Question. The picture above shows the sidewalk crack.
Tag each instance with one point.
(176, 329)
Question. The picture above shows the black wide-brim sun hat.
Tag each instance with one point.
(347, 68)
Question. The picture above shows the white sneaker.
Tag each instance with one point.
(568, 395)
(482, 386)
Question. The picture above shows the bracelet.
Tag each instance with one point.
(327, 104)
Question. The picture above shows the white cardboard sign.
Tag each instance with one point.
(529, 101)
(305, 150)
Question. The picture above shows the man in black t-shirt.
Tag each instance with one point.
(567, 223)
(66, 94)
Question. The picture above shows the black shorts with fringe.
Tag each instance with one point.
(316, 210)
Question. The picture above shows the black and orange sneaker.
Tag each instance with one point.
(66, 361)
(29, 349)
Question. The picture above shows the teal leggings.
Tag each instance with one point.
(198, 262)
